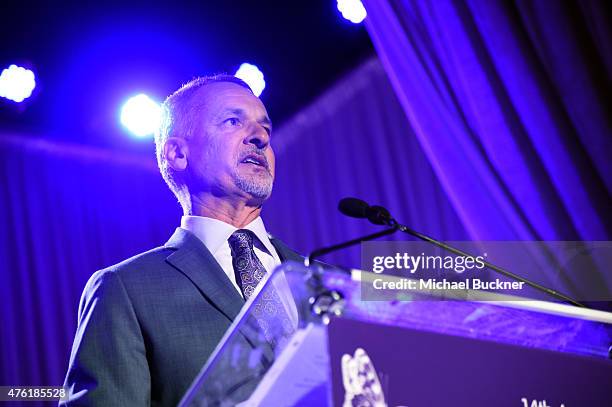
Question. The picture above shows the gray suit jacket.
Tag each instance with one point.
(147, 325)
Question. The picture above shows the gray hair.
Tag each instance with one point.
(179, 113)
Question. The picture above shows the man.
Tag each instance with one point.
(147, 325)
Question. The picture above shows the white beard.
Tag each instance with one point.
(259, 186)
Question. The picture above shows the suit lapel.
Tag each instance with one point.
(196, 262)
(284, 252)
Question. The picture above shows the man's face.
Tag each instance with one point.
(230, 153)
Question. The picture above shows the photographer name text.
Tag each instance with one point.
(444, 284)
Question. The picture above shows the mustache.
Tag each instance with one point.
(257, 153)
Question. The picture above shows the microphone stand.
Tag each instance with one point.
(493, 267)
(380, 216)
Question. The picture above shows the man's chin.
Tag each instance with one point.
(259, 189)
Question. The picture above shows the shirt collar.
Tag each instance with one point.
(214, 233)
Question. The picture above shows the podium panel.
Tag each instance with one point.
(420, 368)
(424, 350)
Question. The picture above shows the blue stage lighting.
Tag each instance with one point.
(16, 83)
(352, 10)
(252, 76)
(141, 115)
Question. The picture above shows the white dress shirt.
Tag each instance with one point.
(215, 234)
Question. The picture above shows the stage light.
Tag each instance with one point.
(16, 83)
(352, 10)
(252, 76)
(141, 115)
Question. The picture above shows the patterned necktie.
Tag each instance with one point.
(269, 311)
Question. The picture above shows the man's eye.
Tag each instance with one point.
(232, 122)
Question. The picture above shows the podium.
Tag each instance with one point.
(416, 349)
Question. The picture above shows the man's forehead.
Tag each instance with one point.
(227, 95)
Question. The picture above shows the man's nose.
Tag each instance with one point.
(258, 135)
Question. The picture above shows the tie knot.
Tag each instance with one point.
(241, 240)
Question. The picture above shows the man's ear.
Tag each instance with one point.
(176, 151)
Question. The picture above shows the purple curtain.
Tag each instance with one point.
(510, 102)
(66, 211)
(354, 140)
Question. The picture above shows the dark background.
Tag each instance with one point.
(89, 57)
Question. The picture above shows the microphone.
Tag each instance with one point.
(378, 215)
(357, 208)
(353, 207)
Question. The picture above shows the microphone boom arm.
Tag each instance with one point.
(491, 266)
(325, 250)
(379, 215)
